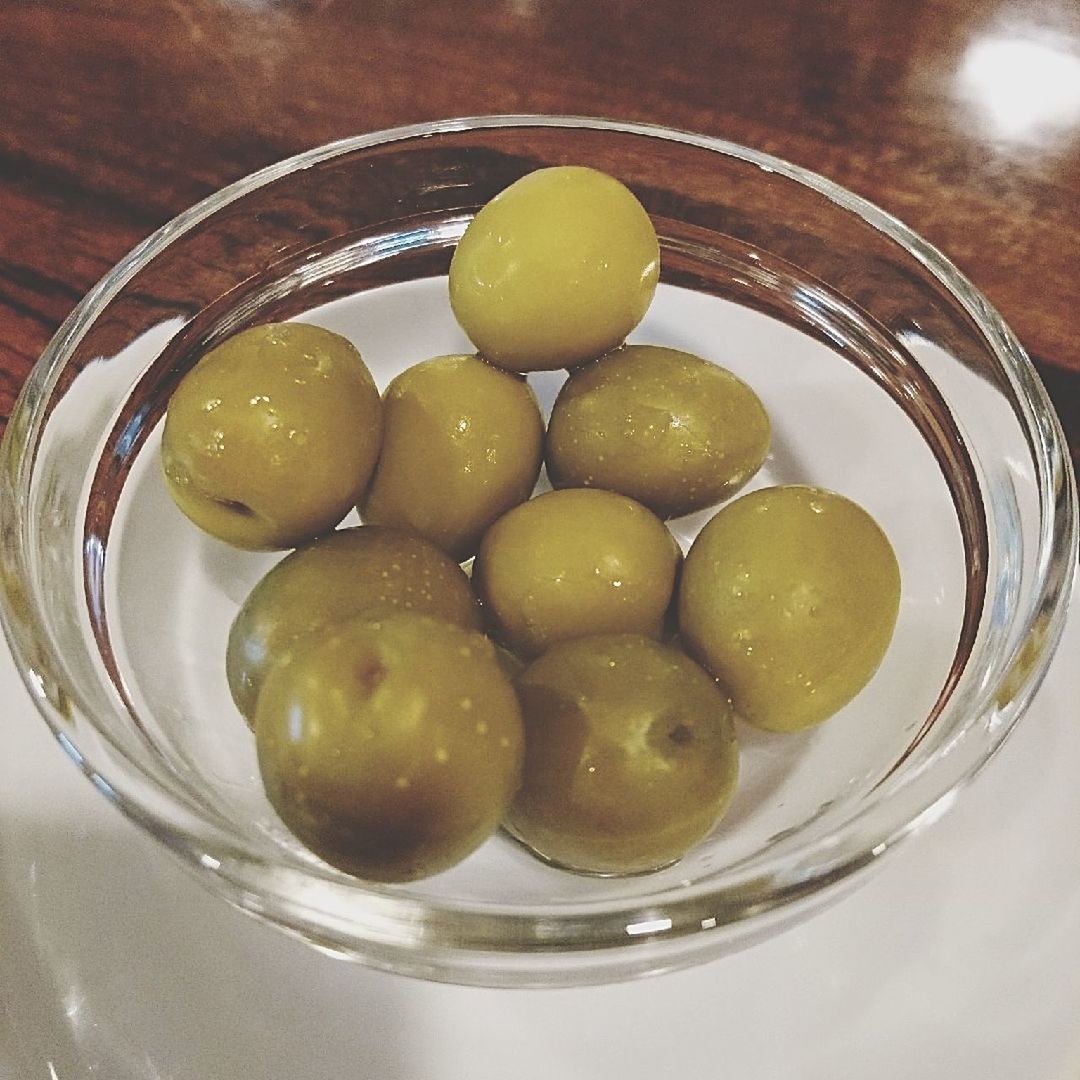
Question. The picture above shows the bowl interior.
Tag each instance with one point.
(880, 384)
(171, 591)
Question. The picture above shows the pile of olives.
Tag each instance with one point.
(581, 687)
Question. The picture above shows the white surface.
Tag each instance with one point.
(960, 959)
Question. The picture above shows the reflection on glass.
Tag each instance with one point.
(1022, 86)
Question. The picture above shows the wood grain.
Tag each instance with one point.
(116, 116)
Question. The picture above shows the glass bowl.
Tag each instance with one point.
(887, 376)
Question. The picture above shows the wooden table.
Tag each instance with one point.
(962, 117)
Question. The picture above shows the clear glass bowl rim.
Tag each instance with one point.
(754, 891)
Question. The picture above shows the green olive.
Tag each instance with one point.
(463, 443)
(368, 570)
(557, 268)
(789, 597)
(271, 438)
(390, 748)
(575, 563)
(665, 427)
(630, 755)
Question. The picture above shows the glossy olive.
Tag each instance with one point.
(789, 596)
(667, 428)
(463, 443)
(368, 570)
(271, 438)
(391, 748)
(630, 755)
(557, 268)
(574, 563)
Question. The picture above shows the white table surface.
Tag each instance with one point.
(959, 959)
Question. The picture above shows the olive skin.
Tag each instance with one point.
(575, 563)
(789, 597)
(665, 427)
(369, 570)
(390, 748)
(557, 268)
(630, 755)
(271, 438)
(463, 443)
